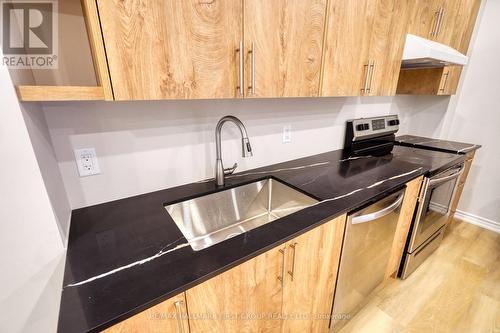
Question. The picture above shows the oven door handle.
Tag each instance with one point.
(436, 181)
(378, 214)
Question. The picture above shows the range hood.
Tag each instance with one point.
(424, 53)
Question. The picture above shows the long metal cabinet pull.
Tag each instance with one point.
(367, 75)
(282, 277)
(445, 80)
(241, 69)
(381, 213)
(178, 309)
(252, 84)
(441, 17)
(436, 23)
(294, 248)
(372, 69)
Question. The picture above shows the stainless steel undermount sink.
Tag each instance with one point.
(213, 218)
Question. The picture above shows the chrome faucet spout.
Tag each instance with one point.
(246, 148)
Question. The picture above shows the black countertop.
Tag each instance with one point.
(127, 255)
(436, 144)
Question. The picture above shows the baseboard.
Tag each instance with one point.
(478, 220)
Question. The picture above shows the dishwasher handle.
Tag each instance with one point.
(378, 214)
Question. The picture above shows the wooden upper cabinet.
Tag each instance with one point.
(454, 28)
(423, 18)
(449, 22)
(363, 47)
(346, 47)
(464, 22)
(168, 316)
(170, 49)
(386, 45)
(286, 38)
(433, 19)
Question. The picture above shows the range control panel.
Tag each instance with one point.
(364, 128)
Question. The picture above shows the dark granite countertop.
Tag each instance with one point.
(127, 255)
(436, 144)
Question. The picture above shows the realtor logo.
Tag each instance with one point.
(29, 33)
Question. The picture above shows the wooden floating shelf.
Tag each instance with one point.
(59, 93)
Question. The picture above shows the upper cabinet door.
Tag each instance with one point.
(464, 23)
(284, 45)
(388, 35)
(447, 21)
(363, 47)
(170, 49)
(346, 47)
(423, 18)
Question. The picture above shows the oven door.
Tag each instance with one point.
(434, 205)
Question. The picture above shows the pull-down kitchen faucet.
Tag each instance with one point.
(220, 172)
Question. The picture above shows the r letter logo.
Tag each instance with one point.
(29, 34)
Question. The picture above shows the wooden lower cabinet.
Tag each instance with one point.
(408, 206)
(469, 158)
(247, 298)
(169, 316)
(311, 272)
(289, 288)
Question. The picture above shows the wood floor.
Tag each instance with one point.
(456, 290)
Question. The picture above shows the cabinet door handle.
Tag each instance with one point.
(241, 68)
(281, 278)
(252, 83)
(436, 22)
(439, 21)
(445, 80)
(367, 75)
(294, 248)
(178, 310)
(441, 17)
(372, 69)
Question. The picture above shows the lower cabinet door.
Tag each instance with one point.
(247, 298)
(311, 271)
(169, 316)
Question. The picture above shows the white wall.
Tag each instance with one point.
(42, 145)
(145, 146)
(474, 116)
(31, 249)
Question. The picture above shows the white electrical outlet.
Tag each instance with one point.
(287, 133)
(86, 160)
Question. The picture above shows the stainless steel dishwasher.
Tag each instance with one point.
(368, 239)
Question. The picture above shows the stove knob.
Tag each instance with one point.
(394, 122)
(367, 127)
(360, 127)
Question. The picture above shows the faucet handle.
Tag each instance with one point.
(229, 171)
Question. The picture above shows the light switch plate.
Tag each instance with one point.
(86, 161)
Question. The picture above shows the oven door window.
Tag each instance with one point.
(437, 205)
